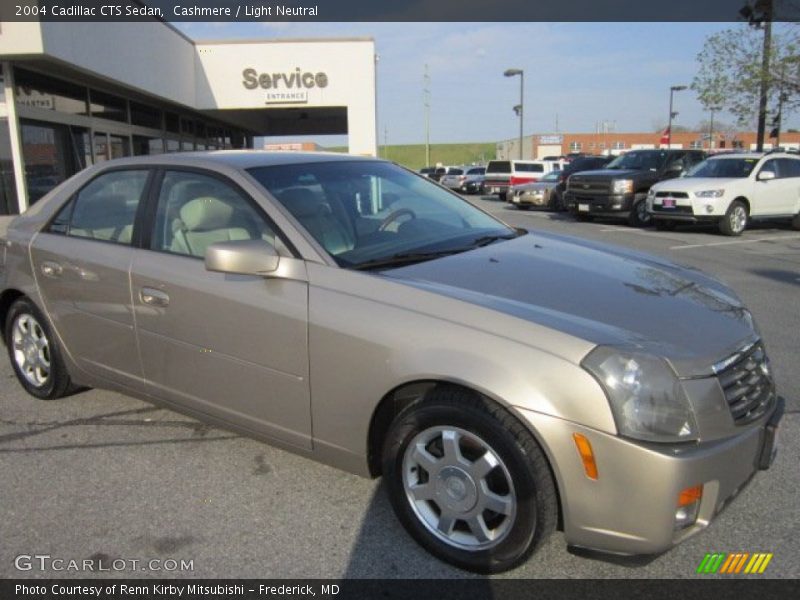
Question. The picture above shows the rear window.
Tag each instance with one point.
(478, 171)
(499, 166)
(455, 172)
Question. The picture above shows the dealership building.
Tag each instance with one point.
(76, 94)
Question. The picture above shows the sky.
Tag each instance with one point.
(578, 74)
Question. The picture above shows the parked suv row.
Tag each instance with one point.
(620, 189)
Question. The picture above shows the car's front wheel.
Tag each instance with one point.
(34, 352)
(735, 220)
(468, 481)
(639, 217)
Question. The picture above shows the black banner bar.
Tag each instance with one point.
(396, 10)
(419, 589)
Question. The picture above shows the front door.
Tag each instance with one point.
(81, 264)
(232, 346)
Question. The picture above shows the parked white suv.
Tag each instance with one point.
(730, 189)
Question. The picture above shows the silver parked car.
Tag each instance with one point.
(504, 382)
(464, 179)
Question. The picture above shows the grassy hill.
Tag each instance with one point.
(413, 155)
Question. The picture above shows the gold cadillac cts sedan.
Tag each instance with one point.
(504, 382)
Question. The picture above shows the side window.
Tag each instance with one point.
(771, 165)
(196, 210)
(789, 167)
(106, 208)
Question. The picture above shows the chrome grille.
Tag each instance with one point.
(672, 195)
(748, 385)
(588, 185)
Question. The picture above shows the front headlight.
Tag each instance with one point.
(709, 193)
(646, 396)
(623, 186)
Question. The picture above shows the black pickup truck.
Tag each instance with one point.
(620, 189)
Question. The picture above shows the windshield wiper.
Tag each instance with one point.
(407, 258)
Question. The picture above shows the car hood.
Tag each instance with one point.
(538, 185)
(597, 292)
(690, 184)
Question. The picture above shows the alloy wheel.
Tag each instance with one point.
(459, 488)
(31, 349)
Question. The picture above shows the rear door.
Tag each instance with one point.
(81, 263)
(231, 346)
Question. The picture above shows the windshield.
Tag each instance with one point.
(723, 167)
(639, 161)
(551, 176)
(367, 211)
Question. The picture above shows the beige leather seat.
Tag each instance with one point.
(104, 217)
(318, 218)
(204, 221)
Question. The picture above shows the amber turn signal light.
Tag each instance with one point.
(587, 455)
(690, 495)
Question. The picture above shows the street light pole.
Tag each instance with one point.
(672, 90)
(512, 73)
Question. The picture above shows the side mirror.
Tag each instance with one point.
(765, 175)
(243, 257)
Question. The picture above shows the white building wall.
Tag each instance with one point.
(349, 67)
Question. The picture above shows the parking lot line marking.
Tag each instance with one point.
(782, 237)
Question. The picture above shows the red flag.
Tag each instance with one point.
(665, 136)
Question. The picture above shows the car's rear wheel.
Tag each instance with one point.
(34, 352)
(735, 220)
(468, 481)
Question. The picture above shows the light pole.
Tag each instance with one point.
(672, 90)
(513, 73)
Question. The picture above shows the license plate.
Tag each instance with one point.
(583, 207)
(668, 203)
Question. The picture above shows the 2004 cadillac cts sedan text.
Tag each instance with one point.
(503, 382)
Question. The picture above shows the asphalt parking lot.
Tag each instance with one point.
(101, 475)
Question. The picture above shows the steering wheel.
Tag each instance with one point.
(393, 216)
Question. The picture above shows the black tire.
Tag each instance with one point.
(735, 220)
(57, 383)
(639, 217)
(664, 225)
(796, 222)
(502, 196)
(556, 202)
(532, 488)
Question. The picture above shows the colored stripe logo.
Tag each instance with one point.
(734, 563)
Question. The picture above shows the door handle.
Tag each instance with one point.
(51, 269)
(153, 297)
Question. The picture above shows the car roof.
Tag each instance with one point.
(751, 155)
(238, 159)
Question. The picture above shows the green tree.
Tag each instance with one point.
(729, 71)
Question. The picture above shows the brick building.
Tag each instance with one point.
(556, 144)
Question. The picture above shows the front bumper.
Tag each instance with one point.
(612, 204)
(539, 198)
(695, 210)
(630, 508)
